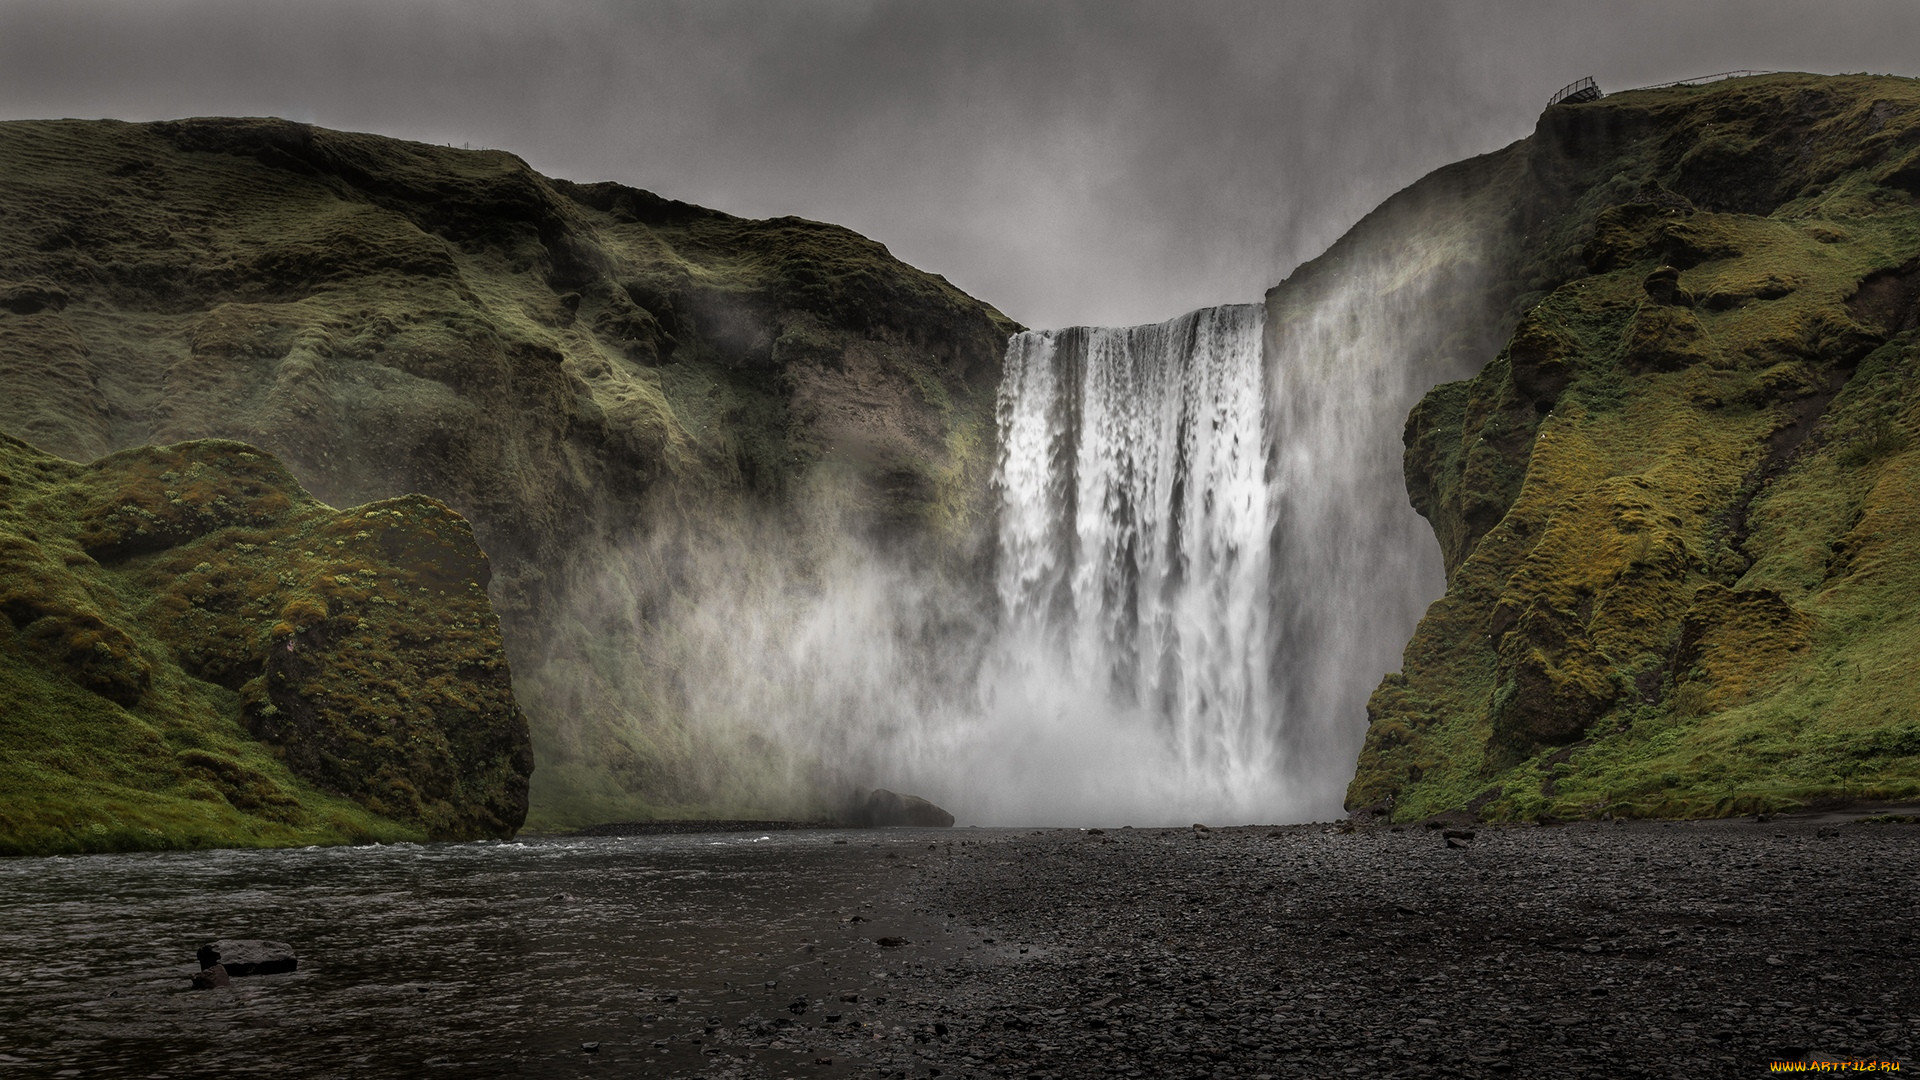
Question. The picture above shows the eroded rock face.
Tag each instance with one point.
(1554, 683)
(389, 317)
(197, 592)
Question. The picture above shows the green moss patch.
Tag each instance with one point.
(198, 653)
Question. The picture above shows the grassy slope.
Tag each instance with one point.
(197, 653)
(569, 366)
(1677, 508)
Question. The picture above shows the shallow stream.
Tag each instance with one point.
(481, 959)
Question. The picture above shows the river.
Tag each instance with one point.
(475, 959)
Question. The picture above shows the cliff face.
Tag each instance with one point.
(1677, 509)
(392, 316)
(579, 370)
(197, 652)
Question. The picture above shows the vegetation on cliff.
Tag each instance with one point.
(1678, 509)
(589, 373)
(198, 653)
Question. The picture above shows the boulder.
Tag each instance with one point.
(210, 978)
(883, 808)
(251, 957)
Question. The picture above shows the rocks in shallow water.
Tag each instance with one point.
(211, 978)
(241, 958)
(883, 808)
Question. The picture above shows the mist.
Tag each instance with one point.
(763, 663)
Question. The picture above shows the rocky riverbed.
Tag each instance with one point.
(1703, 949)
(1697, 949)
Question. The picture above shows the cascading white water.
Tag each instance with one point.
(1135, 520)
(1206, 549)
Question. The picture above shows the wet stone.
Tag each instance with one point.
(244, 957)
(211, 978)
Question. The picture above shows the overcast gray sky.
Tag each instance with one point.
(1101, 161)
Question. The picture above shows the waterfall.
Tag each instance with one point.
(1135, 521)
(1207, 557)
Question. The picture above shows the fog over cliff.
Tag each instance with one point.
(1073, 163)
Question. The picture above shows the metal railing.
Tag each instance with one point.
(1586, 89)
(1576, 92)
(1699, 79)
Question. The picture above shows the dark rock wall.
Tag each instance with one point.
(391, 317)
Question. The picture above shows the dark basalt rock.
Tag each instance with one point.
(375, 357)
(211, 978)
(1652, 503)
(884, 808)
(240, 958)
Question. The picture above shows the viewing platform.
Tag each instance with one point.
(1576, 93)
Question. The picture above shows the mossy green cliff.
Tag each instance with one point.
(197, 652)
(583, 371)
(1680, 509)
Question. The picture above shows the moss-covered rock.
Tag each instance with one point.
(1655, 501)
(197, 652)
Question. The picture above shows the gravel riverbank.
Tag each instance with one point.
(1704, 949)
(1698, 949)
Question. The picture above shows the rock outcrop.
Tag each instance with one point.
(886, 809)
(1678, 508)
(248, 956)
(197, 652)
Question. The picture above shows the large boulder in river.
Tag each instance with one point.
(884, 808)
